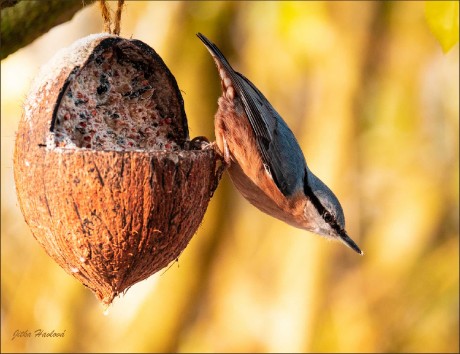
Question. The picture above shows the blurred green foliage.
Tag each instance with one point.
(375, 106)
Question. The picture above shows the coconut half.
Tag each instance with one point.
(105, 175)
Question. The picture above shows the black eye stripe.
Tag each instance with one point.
(325, 214)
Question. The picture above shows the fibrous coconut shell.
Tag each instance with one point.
(104, 172)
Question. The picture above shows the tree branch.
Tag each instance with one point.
(24, 21)
(7, 3)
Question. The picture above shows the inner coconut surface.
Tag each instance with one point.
(120, 100)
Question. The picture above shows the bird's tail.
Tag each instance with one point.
(221, 61)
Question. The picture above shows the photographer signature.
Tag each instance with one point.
(38, 333)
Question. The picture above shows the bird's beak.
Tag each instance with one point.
(350, 243)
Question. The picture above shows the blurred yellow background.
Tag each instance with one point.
(374, 102)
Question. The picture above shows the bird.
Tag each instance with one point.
(265, 161)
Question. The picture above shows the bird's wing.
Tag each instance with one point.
(279, 148)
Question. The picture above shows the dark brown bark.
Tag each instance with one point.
(24, 21)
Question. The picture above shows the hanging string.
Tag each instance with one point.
(107, 18)
(116, 30)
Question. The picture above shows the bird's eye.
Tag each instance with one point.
(327, 217)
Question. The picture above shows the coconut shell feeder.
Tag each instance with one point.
(106, 176)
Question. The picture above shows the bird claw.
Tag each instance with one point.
(198, 143)
(202, 143)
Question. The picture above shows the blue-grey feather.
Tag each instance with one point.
(277, 144)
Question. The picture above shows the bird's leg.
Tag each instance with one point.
(226, 152)
(225, 155)
(201, 143)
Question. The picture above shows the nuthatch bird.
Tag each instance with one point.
(265, 161)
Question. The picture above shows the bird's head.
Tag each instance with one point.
(324, 212)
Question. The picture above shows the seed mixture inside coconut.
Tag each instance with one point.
(116, 101)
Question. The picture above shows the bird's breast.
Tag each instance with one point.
(247, 169)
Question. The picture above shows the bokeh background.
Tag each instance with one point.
(374, 102)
